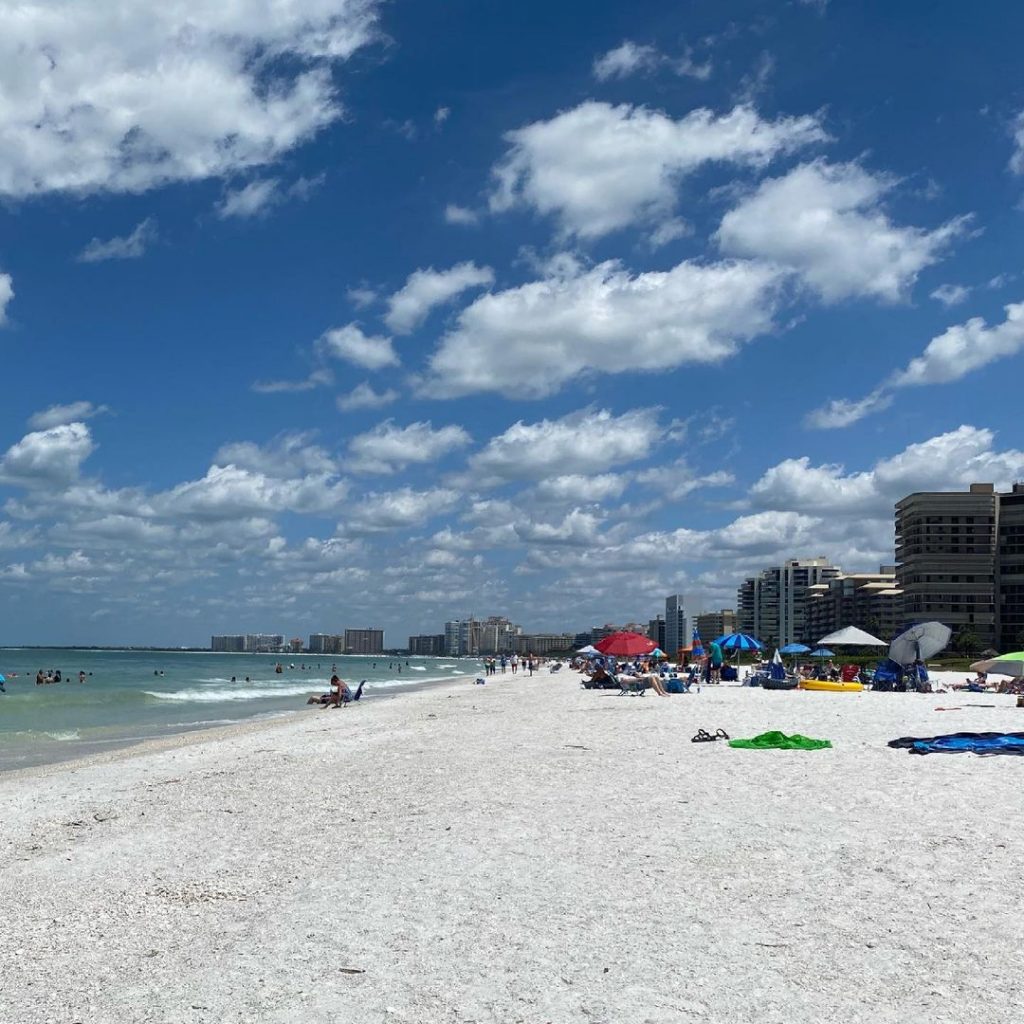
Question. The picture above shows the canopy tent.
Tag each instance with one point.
(625, 644)
(919, 642)
(589, 649)
(1004, 665)
(853, 637)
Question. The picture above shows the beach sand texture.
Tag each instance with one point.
(525, 851)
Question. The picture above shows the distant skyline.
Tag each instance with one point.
(338, 311)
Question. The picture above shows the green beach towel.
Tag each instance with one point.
(780, 741)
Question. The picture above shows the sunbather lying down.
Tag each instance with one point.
(651, 681)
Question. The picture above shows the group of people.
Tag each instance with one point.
(506, 662)
(54, 675)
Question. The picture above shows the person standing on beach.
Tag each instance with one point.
(715, 662)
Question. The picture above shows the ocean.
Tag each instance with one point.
(130, 696)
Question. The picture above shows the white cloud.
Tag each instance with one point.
(372, 352)
(316, 379)
(577, 529)
(958, 351)
(397, 510)
(631, 58)
(577, 488)
(388, 447)
(455, 214)
(363, 396)
(251, 200)
(826, 222)
(599, 168)
(425, 289)
(583, 442)
(288, 456)
(626, 59)
(130, 95)
(843, 412)
(259, 197)
(529, 341)
(963, 348)
(441, 115)
(678, 480)
(47, 457)
(361, 297)
(950, 294)
(6, 294)
(127, 247)
(1017, 159)
(948, 461)
(57, 415)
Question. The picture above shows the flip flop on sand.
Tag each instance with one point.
(703, 736)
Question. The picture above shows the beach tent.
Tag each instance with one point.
(853, 637)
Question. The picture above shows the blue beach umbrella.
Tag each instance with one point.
(823, 652)
(739, 642)
(795, 649)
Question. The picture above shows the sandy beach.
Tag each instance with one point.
(525, 851)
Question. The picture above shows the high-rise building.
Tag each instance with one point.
(868, 600)
(264, 643)
(542, 643)
(363, 641)
(960, 560)
(497, 635)
(711, 625)
(675, 624)
(427, 644)
(656, 630)
(232, 642)
(326, 643)
(772, 606)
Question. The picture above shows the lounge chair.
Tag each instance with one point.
(631, 686)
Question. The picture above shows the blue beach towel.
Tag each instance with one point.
(959, 742)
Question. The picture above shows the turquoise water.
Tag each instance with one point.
(123, 701)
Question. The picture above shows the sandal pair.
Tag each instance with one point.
(703, 736)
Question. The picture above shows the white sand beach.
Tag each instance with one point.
(525, 851)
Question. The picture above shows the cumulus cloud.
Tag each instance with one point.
(258, 198)
(372, 352)
(287, 457)
(1017, 159)
(126, 247)
(598, 168)
(425, 289)
(577, 488)
(396, 510)
(57, 415)
(363, 396)
(827, 223)
(530, 340)
(47, 457)
(583, 442)
(388, 447)
(949, 461)
(958, 351)
(577, 528)
(128, 96)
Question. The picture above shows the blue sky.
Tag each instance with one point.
(334, 312)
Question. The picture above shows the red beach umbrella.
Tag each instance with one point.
(625, 645)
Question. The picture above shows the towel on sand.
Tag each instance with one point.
(780, 741)
(958, 742)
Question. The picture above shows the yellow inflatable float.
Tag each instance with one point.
(825, 684)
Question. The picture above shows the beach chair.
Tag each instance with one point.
(849, 673)
(631, 687)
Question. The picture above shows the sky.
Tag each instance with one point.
(328, 313)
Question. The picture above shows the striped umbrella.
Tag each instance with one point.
(739, 642)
